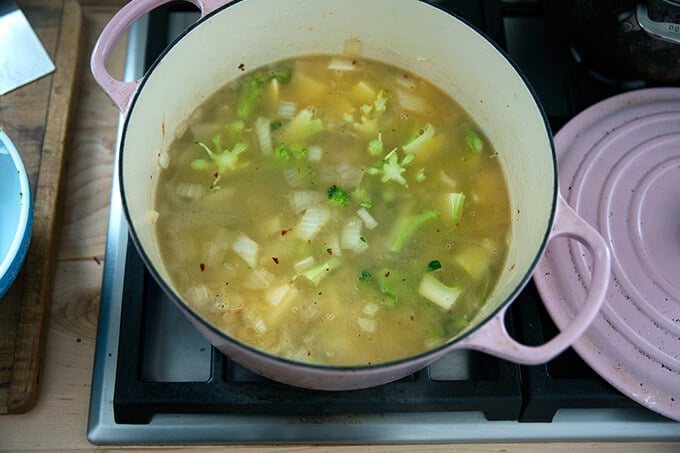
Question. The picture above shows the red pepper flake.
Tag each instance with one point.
(242, 67)
(202, 266)
(309, 353)
(412, 318)
(330, 251)
(387, 274)
(354, 62)
(512, 268)
(216, 175)
(275, 259)
(284, 232)
(309, 242)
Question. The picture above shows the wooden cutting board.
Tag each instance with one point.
(37, 117)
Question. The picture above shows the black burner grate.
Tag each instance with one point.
(494, 386)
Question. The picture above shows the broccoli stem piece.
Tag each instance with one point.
(457, 201)
(316, 273)
(437, 292)
(422, 138)
(409, 226)
(382, 284)
(474, 141)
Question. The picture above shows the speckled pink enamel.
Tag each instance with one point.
(619, 167)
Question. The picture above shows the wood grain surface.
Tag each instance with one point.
(58, 421)
(38, 117)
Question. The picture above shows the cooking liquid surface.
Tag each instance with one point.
(333, 210)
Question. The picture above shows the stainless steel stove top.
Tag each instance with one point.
(162, 365)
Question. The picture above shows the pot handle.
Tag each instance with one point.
(493, 338)
(121, 92)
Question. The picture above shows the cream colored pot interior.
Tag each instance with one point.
(406, 33)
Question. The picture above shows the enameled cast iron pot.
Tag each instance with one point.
(410, 34)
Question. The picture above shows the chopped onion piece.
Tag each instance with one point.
(333, 245)
(352, 46)
(153, 216)
(448, 179)
(367, 218)
(259, 279)
(489, 246)
(287, 109)
(312, 221)
(406, 82)
(246, 248)
(371, 309)
(304, 264)
(275, 295)
(263, 132)
(410, 102)
(259, 325)
(315, 153)
(199, 295)
(349, 176)
(292, 176)
(305, 199)
(351, 237)
(341, 64)
(213, 254)
(189, 191)
(272, 226)
(309, 312)
(367, 324)
(163, 159)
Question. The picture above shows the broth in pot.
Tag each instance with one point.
(333, 210)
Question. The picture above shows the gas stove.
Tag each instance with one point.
(156, 380)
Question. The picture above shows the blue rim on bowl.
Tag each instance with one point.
(16, 213)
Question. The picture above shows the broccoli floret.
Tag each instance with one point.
(369, 114)
(390, 168)
(366, 276)
(338, 195)
(433, 265)
(224, 159)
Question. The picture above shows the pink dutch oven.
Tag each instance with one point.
(410, 34)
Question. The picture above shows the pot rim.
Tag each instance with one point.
(320, 368)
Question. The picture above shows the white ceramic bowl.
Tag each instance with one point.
(16, 213)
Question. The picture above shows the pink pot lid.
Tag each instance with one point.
(619, 168)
